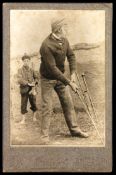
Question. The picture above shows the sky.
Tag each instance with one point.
(28, 28)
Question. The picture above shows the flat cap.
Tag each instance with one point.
(57, 24)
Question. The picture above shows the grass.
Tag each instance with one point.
(91, 62)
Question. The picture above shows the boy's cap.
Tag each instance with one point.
(26, 57)
(57, 24)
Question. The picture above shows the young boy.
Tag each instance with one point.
(27, 79)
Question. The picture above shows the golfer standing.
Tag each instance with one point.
(54, 51)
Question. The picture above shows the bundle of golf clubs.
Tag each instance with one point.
(84, 96)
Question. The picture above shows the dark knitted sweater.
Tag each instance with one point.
(53, 54)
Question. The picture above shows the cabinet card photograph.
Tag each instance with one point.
(58, 64)
(57, 77)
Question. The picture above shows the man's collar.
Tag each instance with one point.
(56, 37)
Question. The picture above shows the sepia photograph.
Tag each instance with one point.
(57, 78)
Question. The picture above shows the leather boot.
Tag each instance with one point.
(78, 133)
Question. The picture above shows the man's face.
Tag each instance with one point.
(63, 31)
(26, 62)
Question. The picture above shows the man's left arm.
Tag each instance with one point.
(72, 62)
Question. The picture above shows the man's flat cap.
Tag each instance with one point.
(57, 24)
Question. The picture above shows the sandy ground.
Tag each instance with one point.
(29, 134)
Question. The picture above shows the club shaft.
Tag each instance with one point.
(82, 91)
(83, 77)
(90, 116)
(86, 105)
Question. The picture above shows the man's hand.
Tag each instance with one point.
(73, 77)
(73, 86)
(31, 84)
